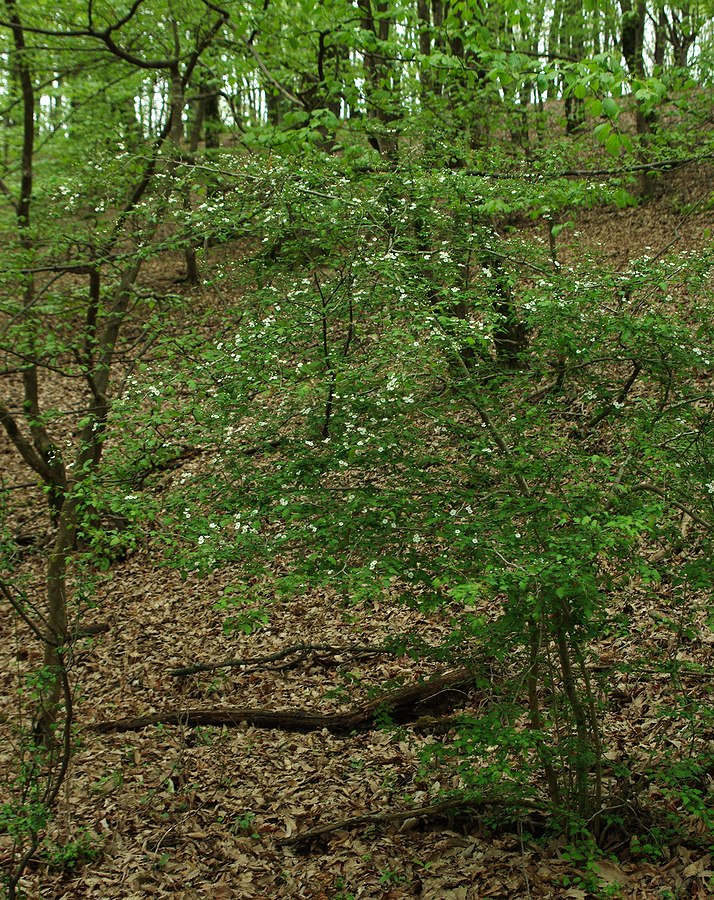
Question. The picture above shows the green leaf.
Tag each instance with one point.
(602, 131)
(613, 144)
(623, 200)
(610, 108)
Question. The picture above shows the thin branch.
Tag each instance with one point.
(271, 78)
(4, 189)
(36, 629)
(55, 782)
(653, 489)
(493, 431)
(299, 650)
(662, 166)
(452, 804)
(24, 448)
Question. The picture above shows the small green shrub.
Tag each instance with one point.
(85, 848)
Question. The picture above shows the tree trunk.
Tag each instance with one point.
(632, 42)
(425, 79)
(510, 336)
(198, 114)
(176, 136)
(44, 457)
(213, 124)
(632, 35)
(660, 39)
(379, 78)
(56, 622)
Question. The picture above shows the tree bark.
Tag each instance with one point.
(55, 636)
(380, 77)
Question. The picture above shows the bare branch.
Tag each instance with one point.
(653, 489)
(300, 651)
(24, 447)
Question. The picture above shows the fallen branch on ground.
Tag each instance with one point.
(85, 631)
(409, 703)
(300, 651)
(433, 810)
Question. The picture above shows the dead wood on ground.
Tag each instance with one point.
(431, 811)
(439, 694)
(300, 652)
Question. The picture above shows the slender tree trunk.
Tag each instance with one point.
(89, 453)
(660, 38)
(632, 35)
(56, 623)
(510, 336)
(213, 123)
(425, 79)
(197, 120)
(551, 777)
(176, 136)
(44, 446)
(573, 44)
(380, 77)
(632, 42)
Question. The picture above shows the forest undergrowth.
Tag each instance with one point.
(441, 793)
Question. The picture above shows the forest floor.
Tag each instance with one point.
(208, 812)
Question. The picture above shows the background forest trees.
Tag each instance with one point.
(419, 385)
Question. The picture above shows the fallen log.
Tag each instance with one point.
(85, 631)
(384, 818)
(409, 817)
(439, 694)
